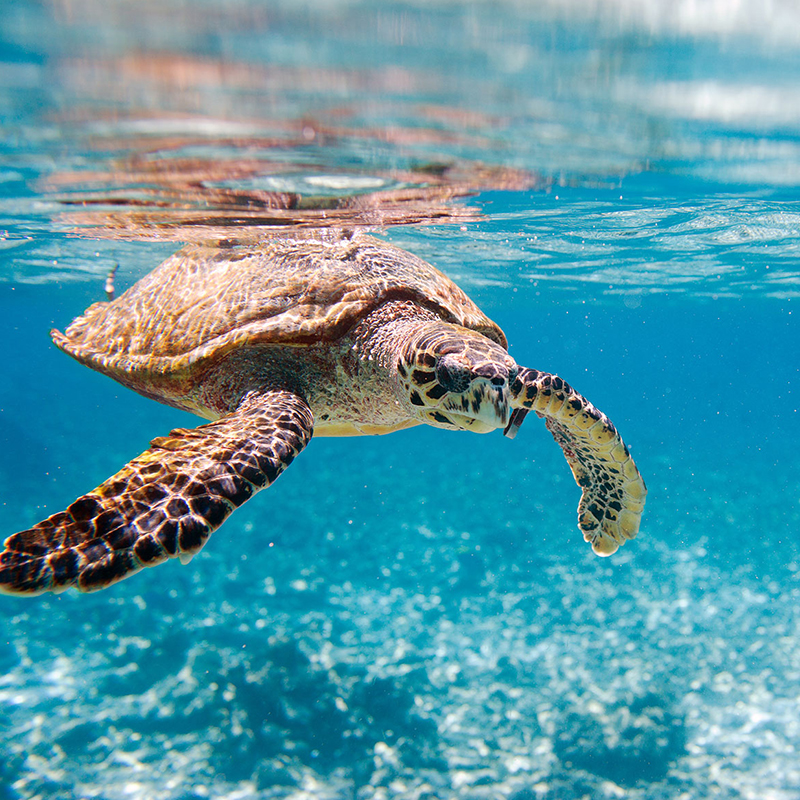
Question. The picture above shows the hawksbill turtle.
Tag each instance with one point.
(324, 333)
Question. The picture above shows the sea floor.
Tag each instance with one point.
(427, 625)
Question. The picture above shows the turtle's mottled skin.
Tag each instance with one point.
(324, 333)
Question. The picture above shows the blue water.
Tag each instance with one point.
(416, 616)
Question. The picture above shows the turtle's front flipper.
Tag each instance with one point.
(164, 503)
(613, 490)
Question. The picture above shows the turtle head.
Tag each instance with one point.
(453, 377)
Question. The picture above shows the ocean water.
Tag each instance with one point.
(416, 615)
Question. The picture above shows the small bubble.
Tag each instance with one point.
(633, 300)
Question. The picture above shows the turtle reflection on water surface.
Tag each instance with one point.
(319, 333)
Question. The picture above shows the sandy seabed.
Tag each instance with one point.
(352, 651)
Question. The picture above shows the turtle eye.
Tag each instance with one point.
(452, 376)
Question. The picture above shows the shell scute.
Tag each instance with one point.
(298, 289)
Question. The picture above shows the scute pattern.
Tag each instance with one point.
(164, 503)
(613, 497)
(299, 288)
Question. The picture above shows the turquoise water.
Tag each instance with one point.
(416, 616)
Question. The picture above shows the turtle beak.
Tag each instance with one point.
(496, 401)
(483, 407)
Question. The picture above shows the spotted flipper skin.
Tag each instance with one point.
(163, 504)
(613, 490)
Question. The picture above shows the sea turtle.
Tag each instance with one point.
(331, 333)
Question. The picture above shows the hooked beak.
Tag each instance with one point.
(485, 407)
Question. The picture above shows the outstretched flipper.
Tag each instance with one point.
(613, 490)
(165, 503)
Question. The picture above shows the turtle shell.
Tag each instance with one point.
(297, 289)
